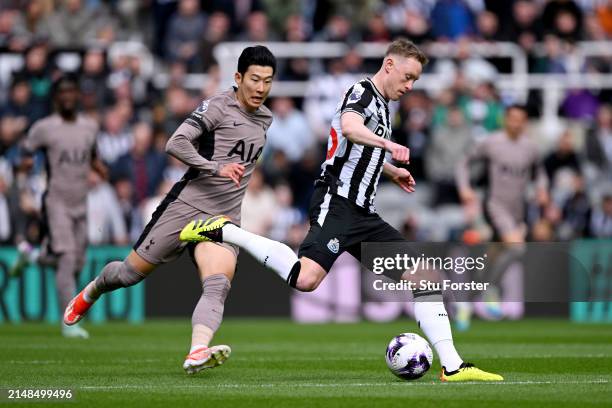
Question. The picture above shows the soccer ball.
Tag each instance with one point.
(409, 356)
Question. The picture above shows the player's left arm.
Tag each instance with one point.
(98, 166)
(541, 183)
(399, 176)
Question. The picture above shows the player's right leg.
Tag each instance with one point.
(114, 275)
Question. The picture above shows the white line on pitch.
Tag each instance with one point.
(331, 385)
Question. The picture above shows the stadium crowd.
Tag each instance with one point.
(137, 113)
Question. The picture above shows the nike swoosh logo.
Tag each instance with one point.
(238, 124)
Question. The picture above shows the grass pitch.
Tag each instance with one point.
(546, 363)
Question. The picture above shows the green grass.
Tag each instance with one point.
(546, 363)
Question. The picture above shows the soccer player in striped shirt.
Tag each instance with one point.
(342, 212)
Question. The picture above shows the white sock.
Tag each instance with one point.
(433, 320)
(200, 336)
(272, 254)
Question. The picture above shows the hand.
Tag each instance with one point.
(467, 196)
(398, 152)
(233, 171)
(404, 180)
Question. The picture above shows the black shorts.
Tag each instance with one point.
(338, 225)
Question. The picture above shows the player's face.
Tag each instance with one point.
(254, 86)
(515, 122)
(403, 73)
(67, 98)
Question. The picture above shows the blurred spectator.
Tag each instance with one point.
(94, 75)
(555, 59)
(285, 216)
(174, 170)
(393, 14)
(149, 205)
(576, 213)
(484, 108)
(449, 143)
(563, 18)
(258, 206)
(217, 30)
(452, 19)
(18, 106)
(473, 68)
(115, 138)
(28, 25)
(598, 147)
(178, 106)
(6, 180)
(289, 131)
(488, 26)
(601, 217)
(524, 27)
(604, 17)
(412, 129)
(237, 11)
(143, 166)
(105, 222)
(71, 25)
(184, 33)
(338, 29)
(579, 104)
(257, 29)
(38, 72)
(563, 157)
(9, 32)
(377, 29)
(295, 29)
(322, 94)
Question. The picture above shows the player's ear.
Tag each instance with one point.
(389, 64)
(238, 78)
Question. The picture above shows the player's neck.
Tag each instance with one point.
(378, 83)
(68, 116)
(241, 100)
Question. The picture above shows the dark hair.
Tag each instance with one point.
(517, 106)
(257, 55)
(70, 79)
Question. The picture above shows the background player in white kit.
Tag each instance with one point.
(220, 142)
(342, 213)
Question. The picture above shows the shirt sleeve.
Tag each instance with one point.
(357, 100)
(181, 146)
(207, 116)
(35, 140)
(462, 175)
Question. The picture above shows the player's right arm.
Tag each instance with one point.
(354, 129)
(462, 175)
(35, 140)
(181, 144)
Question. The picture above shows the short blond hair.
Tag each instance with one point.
(406, 48)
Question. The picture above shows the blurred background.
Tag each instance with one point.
(145, 65)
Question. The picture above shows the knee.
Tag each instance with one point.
(307, 282)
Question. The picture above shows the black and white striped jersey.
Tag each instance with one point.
(353, 170)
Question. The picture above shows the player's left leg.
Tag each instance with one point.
(216, 265)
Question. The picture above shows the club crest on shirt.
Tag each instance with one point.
(333, 245)
(203, 106)
(355, 96)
